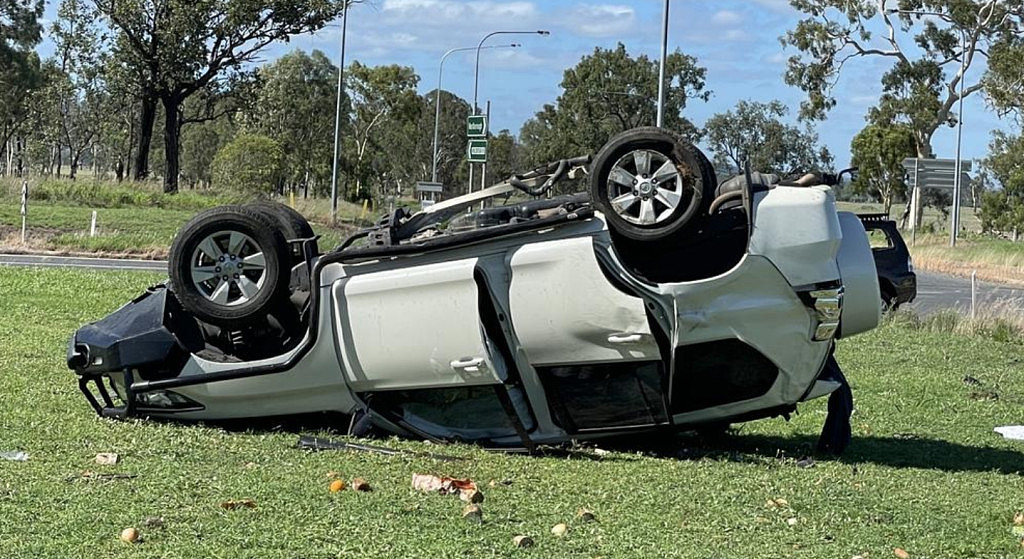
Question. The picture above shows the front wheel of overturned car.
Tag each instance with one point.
(649, 183)
(229, 265)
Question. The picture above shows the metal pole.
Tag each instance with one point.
(661, 65)
(437, 101)
(337, 121)
(959, 135)
(483, 166)
(476, 75)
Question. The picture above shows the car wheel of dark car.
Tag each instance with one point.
(292, 223)
(650, 183)
(228, 265)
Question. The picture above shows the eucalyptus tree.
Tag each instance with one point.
(924, 41)
(180, 47)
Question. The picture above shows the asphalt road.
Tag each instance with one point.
(934, 291)
(939, 291)
(76, 262)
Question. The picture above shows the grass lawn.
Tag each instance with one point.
(925, 472)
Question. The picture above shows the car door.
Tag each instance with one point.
(415, 327)
(590, 343)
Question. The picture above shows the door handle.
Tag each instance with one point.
(624, 338)
(470, 364)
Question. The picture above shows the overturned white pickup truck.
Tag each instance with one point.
(658, 300)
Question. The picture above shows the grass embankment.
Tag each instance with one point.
(136, 220)
(925, 472)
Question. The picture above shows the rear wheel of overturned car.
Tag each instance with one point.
(293, 226)
(649, 183)
(228, 265)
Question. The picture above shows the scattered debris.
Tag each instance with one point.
(984, 395)
(14, 456)
(805, 462)
(792, 521)
(494, 483)
(584, 515)
(317, 443)
(238, 504)
(473, 513)
(971, 381)
(559, 530)
(1013, 432)
(777, 503)
(107, 458)
(130, 535)
(602, 452)
(153, 522)
(466, 488)
(333, 475)
(523, 541)
(360, 484)
(906, 436)
(1018, 519)
(901, 553)
(337, 485)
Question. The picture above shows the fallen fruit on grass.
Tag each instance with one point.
(129, 535)
(1018, 519)
(473, 513)
(360, 484)
(584, 515)
(522, 541)
(337, 485)
(559, 529)
(901, 553)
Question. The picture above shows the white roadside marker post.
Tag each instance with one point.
(24, 208)
(974, 292)
(92, 227)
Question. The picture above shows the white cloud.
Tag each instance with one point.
(726, 17)
(600, 20)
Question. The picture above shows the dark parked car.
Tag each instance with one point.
(897, 282)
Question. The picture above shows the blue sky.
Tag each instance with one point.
(736, 40)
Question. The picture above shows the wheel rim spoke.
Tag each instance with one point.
(647, 215)
(204, 273)
(235, 242)
(669, 198)
(255, 261)
(211, 249)
(642, 159)
(666, 172)
(247, 287)
(624, 202)
(621, 176)
(220, 295)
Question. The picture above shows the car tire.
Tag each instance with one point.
(228, 266)
(649, 183)
(293, 226)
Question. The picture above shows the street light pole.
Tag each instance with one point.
(476, 75)
(437, 100)
(661, 65)
(337, 121)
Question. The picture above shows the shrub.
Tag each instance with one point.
(249, 163)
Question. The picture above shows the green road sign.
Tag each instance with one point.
(476, 126)
(477, 152)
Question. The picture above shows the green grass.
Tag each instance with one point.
(925, 472)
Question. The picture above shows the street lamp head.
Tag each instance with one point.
(515, 45)
(543, 32)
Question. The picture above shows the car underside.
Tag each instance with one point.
(660, 299)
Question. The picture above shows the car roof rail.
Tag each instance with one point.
(874, 217)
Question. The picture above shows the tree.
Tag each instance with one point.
(878, 153)
(383, 97)
(1003, 209)
(755, 132)
(451, 137)
(1003, 83)
(607, 92)
(250, 163)
(917, 89)
(179, 47)
(19, 71)
(297, 95)
(503, 156)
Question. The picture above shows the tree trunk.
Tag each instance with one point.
(60, 159)
(146, 121)
(172, 137)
